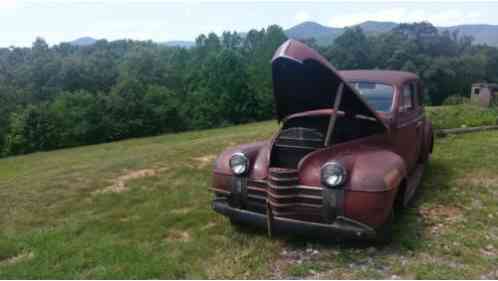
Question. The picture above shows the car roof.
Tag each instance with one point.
(386, 76)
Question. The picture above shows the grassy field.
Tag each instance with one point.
(141, 209)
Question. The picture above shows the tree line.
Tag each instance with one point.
(65, 95)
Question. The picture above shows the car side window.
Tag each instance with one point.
(408, 97)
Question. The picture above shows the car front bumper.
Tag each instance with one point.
(342, 227)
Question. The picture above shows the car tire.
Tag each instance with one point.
(426, 152)
(399, 201)
(384, 233)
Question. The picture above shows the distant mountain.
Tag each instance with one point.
(325, 35)
(482, 33)
(377, 26)
(86, 41)
(83, 41)
(184, 44)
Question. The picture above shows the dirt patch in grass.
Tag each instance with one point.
(178, 236)
(208, 226)
(279, 269)
(119, 184)
(297, 259)
(440, 212)
(21, 257)
(204, 161)
(316, 262)
(130, 218)
(489, 251)
(181, 211)
(479, 179)
(439, 217)
(446, 261)
(162, 169)
(492, 275)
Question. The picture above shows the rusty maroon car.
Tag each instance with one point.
(350, 151)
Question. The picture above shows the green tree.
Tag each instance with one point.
(350, 50)
(32, 129)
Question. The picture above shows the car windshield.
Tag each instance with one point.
(378, 95)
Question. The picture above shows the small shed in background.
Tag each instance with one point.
(484, 94)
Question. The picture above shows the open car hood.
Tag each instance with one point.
(303, 80)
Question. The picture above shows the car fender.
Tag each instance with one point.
(374, 184)
(370, 169)
(256, 152)
(374, 178)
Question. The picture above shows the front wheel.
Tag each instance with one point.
(426, 152)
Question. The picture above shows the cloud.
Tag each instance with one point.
(8, 4)
(301, 16)
(188, 12)
(442, 18)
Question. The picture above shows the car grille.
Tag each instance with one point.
(285, 196)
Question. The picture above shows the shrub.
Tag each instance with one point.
(462, 115)
(456, 99)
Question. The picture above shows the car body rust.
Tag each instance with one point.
(325, 116)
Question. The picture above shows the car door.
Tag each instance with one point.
(409, 128)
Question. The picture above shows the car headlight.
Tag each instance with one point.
(333, 174)
(239, 163)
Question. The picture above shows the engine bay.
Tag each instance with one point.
(302, 135)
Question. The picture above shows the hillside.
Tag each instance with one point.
(325, 35)
(140, 209)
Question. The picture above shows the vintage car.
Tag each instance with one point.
(351, 149)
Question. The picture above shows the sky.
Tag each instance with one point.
(21, 21)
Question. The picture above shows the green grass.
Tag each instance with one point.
(463, 115)
(59, 218)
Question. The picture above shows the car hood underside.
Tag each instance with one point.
(304, 81)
